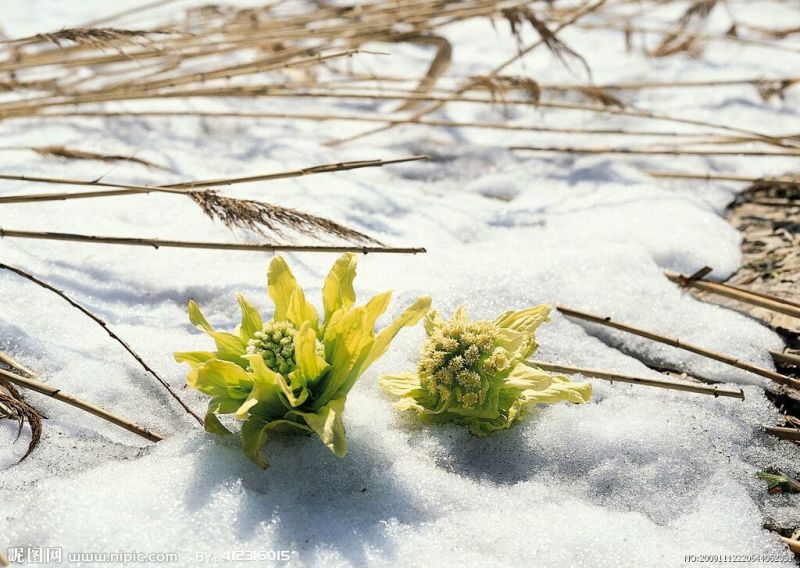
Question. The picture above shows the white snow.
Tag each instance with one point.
(639, 477)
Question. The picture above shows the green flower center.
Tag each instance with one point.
(275, 343)
(460, 359)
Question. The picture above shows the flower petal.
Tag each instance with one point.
(229, 347)
(268, 386)
(338, 292)
(526, 320)
(300, 311)
(194, 358)
(345, 340)
(282, 285)
(219, 405)
(256, 430)
(519, 345)
(562, 389)
(409, 317)
(399, 385)
(525, 377)
(309, 364)
(327, 423)
(377, 306)
(221, 378)
(251, 319)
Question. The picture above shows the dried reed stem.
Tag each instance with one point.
(651, 151)
(158, 243)
(793, 544)
(705, 137)
(57, 394)
(15, 365)
(770, 302)
(108, 330)
(664, 384)
(788, 358)
(182, 187)
(721, 357)
(783, 433)
(720, 177)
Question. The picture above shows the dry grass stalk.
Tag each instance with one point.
(690, 37)
(786, 182)
(653, 151)
(266, 218)
(721, 357)
(702, 137)
(187, 186)
(59, 151)
(783, 433)
(58, 394)
(517, 15)
(108, 330)
(658, 383)
(757, 299)
(158, 243)
(8, 361)
(500, 86)
(94, 37)
(787, 358)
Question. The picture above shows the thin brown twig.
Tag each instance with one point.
(788, 358)
(651, 151)
(104, 325)
(721, 357)
(57, 394)
(720, 177)
(705, 137)
(15, 365)
(183, 187)
(158, 243)
(770, 302)
(659, 383)
(783, 433)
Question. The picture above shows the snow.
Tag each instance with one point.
(637, 477)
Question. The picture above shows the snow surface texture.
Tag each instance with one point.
(638, 477)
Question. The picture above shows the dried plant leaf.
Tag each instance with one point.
(683, 40)
(96, 37)
(40, 85)
(499, 86)
(601, 96)
(517, 15)
(698, 10)
(13, 407)
(677, 43)
(265, 218)
(59, 151)
(770, 89)
(440, 64)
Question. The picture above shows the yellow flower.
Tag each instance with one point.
(474, 372)
(293, 373)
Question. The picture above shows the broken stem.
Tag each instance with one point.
(55, 393)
